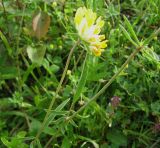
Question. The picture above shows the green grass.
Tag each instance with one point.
(44, 105)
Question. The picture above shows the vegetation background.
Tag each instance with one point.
(32, 60)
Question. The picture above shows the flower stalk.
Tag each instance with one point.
(57, 91)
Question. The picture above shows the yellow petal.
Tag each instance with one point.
(79, 15)
(91, 17)
(102, 37)
(103, 44)
(99, 22)
(92, 39)
(97, 30)
(97, 52)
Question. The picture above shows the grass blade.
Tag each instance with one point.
(5, 41)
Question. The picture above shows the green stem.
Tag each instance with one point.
(108, 84)
(81, 82)
(57, 90)
(32, 73)
(19, 79)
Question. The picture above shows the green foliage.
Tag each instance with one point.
(15, 141)
(36, 54)
(35, 40)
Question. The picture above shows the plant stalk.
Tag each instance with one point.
(57, 90)
(108, 84)
(81, 83)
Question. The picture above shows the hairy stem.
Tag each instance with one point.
(108, 84)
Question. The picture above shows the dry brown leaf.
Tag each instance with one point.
(40, 24)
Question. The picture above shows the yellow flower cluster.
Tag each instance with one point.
(89, 27)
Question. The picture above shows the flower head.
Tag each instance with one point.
(89, 27)
(115, 101)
